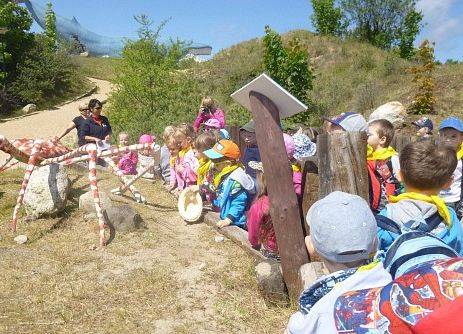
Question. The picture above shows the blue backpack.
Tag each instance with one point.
(452, 237)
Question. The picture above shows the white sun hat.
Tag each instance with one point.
(190, 205)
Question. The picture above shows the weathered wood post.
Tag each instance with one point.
(342, 163)
(283, 201)
(400, 141)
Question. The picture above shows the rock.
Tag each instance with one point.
(47, 191)
(123, 218)
(202, 266)
(87, 204)
(310, 272)
(84, 54)
(394, 112)
(21, 239)
(219, 238)
(30, 108)
(271, 283)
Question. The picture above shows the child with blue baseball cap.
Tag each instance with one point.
(343, 235)
(451, 134)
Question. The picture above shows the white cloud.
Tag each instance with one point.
(440, 25)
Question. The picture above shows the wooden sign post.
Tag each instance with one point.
(283, 200)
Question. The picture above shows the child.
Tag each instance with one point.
(383, 164)
(424, 127)
(145, 158)
(261, 233)
(204, 142)
(295, 167)
(343, 235)
(425, 169)
(211, 125)
(128, 162)
(207, 111)
(185, 165)
(174, 148)
(451, 134)
(251, 152)
(163, 169)
(231, 183)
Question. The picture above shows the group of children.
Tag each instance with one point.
(395, 264)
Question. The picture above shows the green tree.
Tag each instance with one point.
(289, 67)
(50, 27)
(326, 18)
(151, 92)
(384, 24)
(423, 77)
(15, 21)
(408, 33)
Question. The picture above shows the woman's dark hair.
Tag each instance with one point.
(94, 103)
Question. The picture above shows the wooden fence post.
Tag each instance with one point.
(342, 163)
(400, 141)
(283, 200)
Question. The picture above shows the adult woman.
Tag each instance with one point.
(207, 111)
(77, 123)
(96, 128)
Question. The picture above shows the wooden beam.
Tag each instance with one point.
(342, 163)
(284, 208)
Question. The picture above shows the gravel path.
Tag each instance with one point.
(49, 123)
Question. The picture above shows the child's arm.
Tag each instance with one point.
(237, 207)
(220, 116)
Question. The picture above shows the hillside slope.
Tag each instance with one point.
(349, 76)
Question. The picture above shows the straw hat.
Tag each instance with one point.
(190, 205)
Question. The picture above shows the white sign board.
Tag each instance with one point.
(287, 104)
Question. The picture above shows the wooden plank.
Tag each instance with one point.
(342, 163)
(284, 208)
(234, 233)
(401, 140)
(310, 194)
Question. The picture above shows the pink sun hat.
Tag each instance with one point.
(146, 139)
(289, 145)
(212, 123)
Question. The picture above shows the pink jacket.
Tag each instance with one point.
(260, 227)
(297, 182)
(218, 114)
(128, 163)
(188, 176)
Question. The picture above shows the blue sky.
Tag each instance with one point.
(222, 23)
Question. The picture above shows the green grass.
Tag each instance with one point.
(96, 67)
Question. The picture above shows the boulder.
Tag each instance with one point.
(123, 218)
(394, 112)
(21, 239)
(84, 54)
(47, 191)
(29, 108)
(87, 204)
(270, 282)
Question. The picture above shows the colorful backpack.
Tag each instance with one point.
(381, 175)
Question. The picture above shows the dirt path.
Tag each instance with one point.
(49, 123)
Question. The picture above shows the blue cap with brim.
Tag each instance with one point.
(453, 123)
(213, 154)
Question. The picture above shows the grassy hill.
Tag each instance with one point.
(349, 76)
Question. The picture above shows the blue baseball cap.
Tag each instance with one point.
(424, 122)
(350, 121)
(342, 228)
(452, 122)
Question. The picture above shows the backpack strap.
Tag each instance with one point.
(388, 224)
(433, 221)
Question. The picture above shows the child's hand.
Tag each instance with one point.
(223, 223)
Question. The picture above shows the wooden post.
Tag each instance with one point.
(342, 163)
(310, 186)
(283, 200)
(400, 141)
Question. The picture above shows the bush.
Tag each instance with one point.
(151, 91)
(45, 76)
